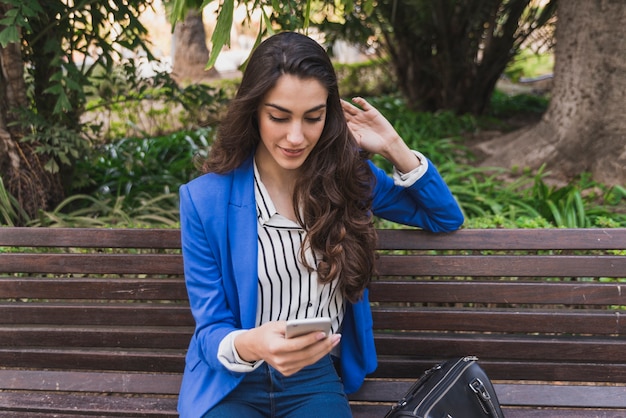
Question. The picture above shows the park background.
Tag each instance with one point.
(112, 105)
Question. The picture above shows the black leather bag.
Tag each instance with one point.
(457, 388)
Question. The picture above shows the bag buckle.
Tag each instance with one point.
(479, 388)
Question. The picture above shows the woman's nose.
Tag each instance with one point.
(296, 134)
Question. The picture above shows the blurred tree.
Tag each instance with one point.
(191, 54)
(446, 54)
(584, 129)
(449, 54)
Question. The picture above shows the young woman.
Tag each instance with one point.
(280, 227)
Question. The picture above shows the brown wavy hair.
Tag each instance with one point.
(336, 194)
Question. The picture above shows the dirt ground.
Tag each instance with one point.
(540, 86)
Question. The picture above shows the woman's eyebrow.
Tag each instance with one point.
(282, 109)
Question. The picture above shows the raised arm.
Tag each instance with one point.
(375, 134)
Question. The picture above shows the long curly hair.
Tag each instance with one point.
(334, 197)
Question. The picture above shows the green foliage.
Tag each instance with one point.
(371, 78)
(290, 12)
(529, 64)
(83, 211)
(61, 144)
(276, 16)
(58, 33)
(503, 105)
(58, 41)
(16, 19)
(133, 167)
(10, 211)
(530, 202)
(437, 135)
(132, 105)
(440, 51)
(134, 181)
(221, 34)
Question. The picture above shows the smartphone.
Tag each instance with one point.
(297, 327)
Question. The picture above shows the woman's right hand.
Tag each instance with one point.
(286, 355)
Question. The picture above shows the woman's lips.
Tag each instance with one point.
(292, 152)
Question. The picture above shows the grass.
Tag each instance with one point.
(528, 64)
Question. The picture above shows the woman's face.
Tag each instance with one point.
(291, 118)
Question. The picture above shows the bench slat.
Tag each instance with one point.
(67, 336)
(437, 319)
(445, 347)
(374, 390)
(499, 346)
(87, 381)
(581, 396)
(527, 394)
(52, 404)
(90, 238)
(592, 322)
(157, 264)
(493, 292)
(504, 239)
(137, 408)
(492, 239)
(550, 371)
(30, 414)
(522, 412)
(502, 266)
(164, 360)
(499, 292)
(157, 314)
(93, 288)
(359, 411)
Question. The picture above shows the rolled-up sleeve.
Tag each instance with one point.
(229, 357)
(408, 179)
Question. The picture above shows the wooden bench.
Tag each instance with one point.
(95, 322)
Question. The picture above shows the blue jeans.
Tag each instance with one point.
(313, 392)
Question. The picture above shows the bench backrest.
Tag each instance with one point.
(531, 304)
(98, 309)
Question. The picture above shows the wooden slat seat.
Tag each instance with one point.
(96, 322)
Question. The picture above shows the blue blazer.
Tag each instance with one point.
(219, 244)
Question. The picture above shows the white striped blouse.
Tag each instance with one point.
(287, 288)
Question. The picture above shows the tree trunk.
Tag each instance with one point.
(584, 129)
(190, 51)
(21, 169)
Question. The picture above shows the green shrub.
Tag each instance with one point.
(131, 182)
(126, 105)
(529, 64)
(85, 211)
(503, 105)
(134, 181)
(370, 78)
(151, 165)
(10, 211)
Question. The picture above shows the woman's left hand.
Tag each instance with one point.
(375, 134)
(372, 131)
